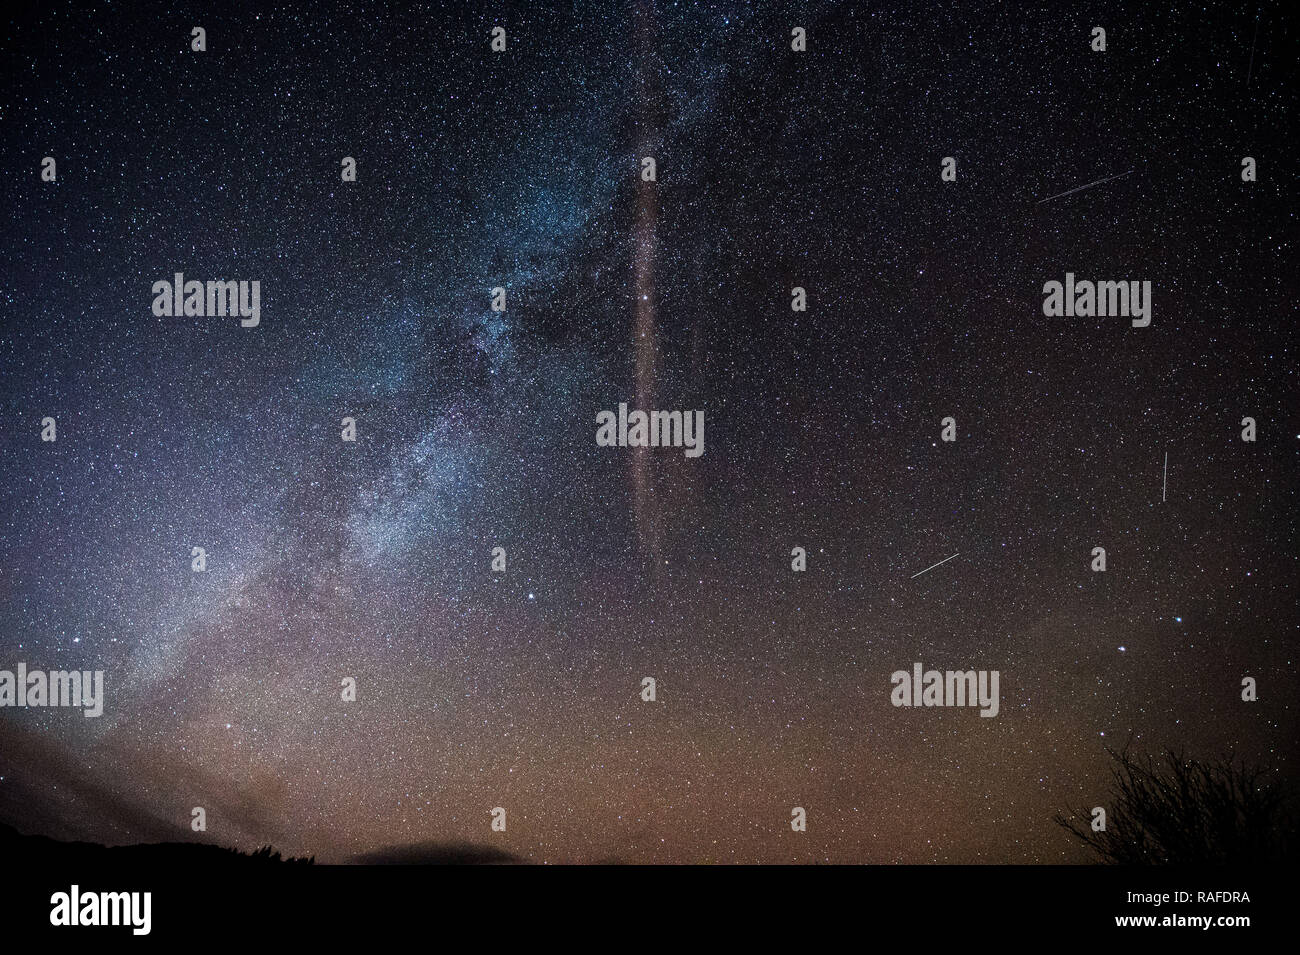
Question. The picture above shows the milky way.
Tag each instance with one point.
(522, 170)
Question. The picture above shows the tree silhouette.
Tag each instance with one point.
(1172, 810)
(42, 850)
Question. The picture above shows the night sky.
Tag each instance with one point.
(475, 428)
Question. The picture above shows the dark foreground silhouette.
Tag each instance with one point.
(435, 853)
(43, 850)
(1175, 810)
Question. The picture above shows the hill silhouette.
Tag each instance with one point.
(438, 853)
(46, 851)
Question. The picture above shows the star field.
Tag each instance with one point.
(522, 170)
